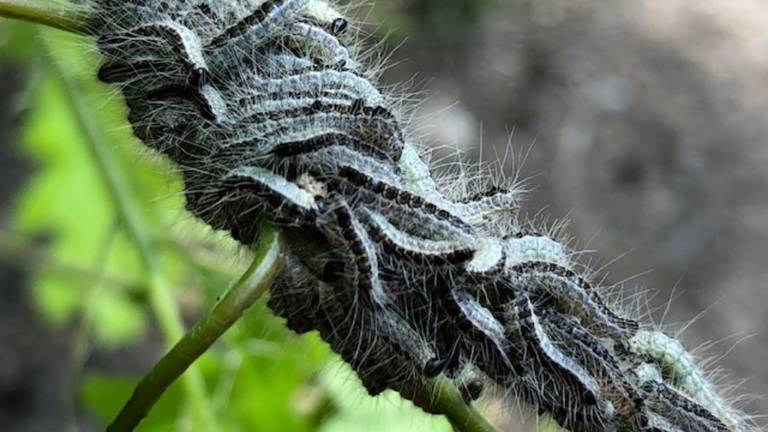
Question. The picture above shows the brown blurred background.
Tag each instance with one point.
(646, 125)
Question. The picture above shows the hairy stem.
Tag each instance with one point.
(57, 14)
(251, 286)
(160, 295)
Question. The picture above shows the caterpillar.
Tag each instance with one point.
(266, 109)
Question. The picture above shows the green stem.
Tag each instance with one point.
(251, 286)
(60, 15)
(443, 397)
(137, 229)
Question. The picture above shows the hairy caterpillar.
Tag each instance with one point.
(266, 110)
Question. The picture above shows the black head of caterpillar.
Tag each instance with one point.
(266, 110)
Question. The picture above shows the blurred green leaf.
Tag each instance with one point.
(120, 320)
(387, 412)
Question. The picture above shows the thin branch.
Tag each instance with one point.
(56, 14)
(251, 286)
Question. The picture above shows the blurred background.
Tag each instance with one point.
(641, 122)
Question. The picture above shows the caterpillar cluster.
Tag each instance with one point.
(266, 110)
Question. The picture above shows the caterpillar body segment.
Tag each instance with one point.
(574, 295)
(258, 25)
(524, 248)
(597, 359)
(658, 423)
(678, 407)
(424, 251)
(331, 48)
(678, 367)
(310, 86)
(546, 377)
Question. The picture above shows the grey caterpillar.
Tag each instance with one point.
(265, 109)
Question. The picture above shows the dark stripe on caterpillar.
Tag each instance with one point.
(592, 305)
(679, 407)
(319, 142)
(397, 195)
(256, 18)
(421, 251)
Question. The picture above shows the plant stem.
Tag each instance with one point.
(442, 396)
(254, 282)
(137, 229)
(60, 15)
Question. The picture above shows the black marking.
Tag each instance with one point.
(321, 35)
(283, 208)
(456, 256)
(629, 327)
(682, 408)
(523, 233)
(157, 30)
(490, 192)
(396, 195)
(185, 92)
(434, 367)
(376, 122)
(256, 17)
(320, 142)
(548, 354)
(628, 403)
(364, 261)
(338, 26)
